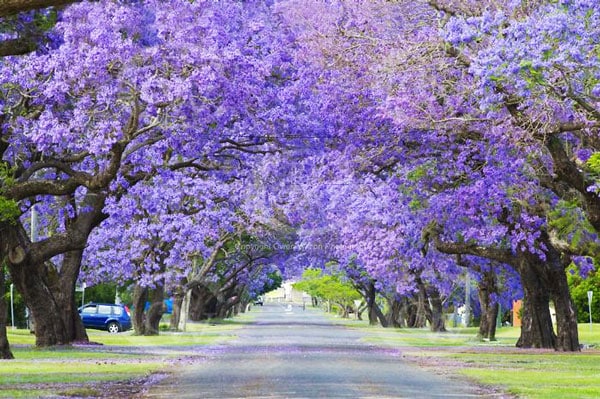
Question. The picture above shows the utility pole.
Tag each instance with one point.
(34, 224)
(12, 305)
(590, 294)
(467, 299)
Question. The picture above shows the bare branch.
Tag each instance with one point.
(12, 7)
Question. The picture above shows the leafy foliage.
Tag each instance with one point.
(327, 287)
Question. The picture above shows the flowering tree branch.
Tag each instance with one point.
(12, 7)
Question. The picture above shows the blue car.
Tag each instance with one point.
(105, 316)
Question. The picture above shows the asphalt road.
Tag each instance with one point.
(300, 354)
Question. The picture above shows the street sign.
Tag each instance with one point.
(590, 295)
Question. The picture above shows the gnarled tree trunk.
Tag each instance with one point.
(5, 352)
(32, 283)
(140, 297)
(48, 291)
(64, 291)
(184, 313)
(155, 311)
(395, 308)
(436, 312)
(536, 323)
(567, 338)
(430, 306)
(176, 313)
(542, 280)
(489, 307)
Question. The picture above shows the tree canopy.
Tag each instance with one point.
(194, 148)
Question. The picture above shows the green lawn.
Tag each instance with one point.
(535, 374)
(530, 375)
(85, 370)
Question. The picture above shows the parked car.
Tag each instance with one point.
(258, 301)
(105, 316)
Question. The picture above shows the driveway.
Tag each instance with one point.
(295, 353)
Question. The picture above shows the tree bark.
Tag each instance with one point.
(202, 303)
(65, 296)
(50, 327)
(185, 311)
(436, 313)
(176, 314)
(11, 7)
(536, 323)
(416, 311)
(566, 313)
(394, 316)
(31, 280)
(47, 291)
(430, 307)
(140, 297)
(542, 280)
(489, 307)
(156, 310)
(5, 352)
(369, 293)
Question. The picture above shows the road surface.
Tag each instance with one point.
(296, 353)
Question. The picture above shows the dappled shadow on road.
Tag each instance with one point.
(291, 352)
(313, 348)
(324, 324)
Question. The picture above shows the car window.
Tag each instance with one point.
(89, 309)
(104, 309)
(117, 310)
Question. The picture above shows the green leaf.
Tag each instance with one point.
(9, 210)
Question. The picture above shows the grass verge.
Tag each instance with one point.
(120, 364)
(534, 374)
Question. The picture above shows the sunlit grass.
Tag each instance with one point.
(75, 370)
(532, 374)
(423, 337)
(63, 371)
(552, 375)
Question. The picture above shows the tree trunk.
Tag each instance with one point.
(5, 352)
(416, 311)
(489, 308)
(436, 311)
(140, 297)
(32, 282)
(394, 317)
(374, 312)
(200, 300)
(360, 311)
(430, 306)
(65, 296)
(536, 323)
(176, 314)
(541, 279)
(156, 310)
(566, 313)
(370, 300)
(48, 292)
(185, 311)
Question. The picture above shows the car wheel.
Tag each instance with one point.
(113, 327)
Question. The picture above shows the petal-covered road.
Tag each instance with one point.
(295, 353)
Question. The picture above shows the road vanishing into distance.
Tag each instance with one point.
(295, 353)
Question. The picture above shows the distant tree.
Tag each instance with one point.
(329, 287)
(580, 283)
